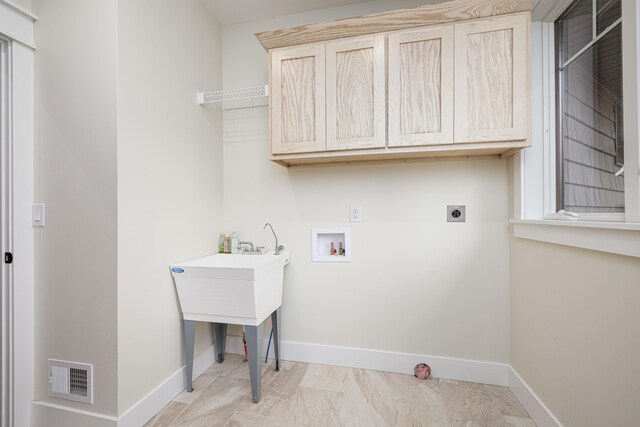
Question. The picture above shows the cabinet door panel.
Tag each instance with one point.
(297, 100)
(355, 94)
(354, 112)
(421, 86)
(492, 72)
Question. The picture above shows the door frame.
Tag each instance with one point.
(6, 238)
(17, 148)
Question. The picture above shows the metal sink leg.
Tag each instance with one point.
(275, 324)
(189, 337)
(254, 350)
(221, 340)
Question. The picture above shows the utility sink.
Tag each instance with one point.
(237, 289)
(230, 288)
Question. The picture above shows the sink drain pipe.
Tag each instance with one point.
(266, 358)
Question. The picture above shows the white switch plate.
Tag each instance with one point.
(355, 214)
(37, 215)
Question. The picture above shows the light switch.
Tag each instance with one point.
(37, 215)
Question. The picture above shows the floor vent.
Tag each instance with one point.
(71, 381)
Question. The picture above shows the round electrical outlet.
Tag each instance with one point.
(456, 213)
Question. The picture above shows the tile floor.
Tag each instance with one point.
(303, 394)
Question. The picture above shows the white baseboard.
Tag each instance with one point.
(50, 415)
(45, 414)
(402, 363)
(153, 402)
(537, 410)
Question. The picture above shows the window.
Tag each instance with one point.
(589, 127)
(574, 43)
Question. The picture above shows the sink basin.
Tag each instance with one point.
(230, 288)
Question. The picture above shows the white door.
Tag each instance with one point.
(16, 232)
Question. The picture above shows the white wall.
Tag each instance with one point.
(415, 284)
(130, 169)
(574, 313)
(574, 334)
(25, 4)
(169, 179)
(75, 162)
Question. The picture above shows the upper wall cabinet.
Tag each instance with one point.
(441, 80)
(421, 86)
(492, 78)
(356, 93)
(298, 99)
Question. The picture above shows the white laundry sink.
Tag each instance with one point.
(230, 288)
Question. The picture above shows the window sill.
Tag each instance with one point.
(612, 237)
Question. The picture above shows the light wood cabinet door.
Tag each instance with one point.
(421, 86)
(298, 99)
(356, 93)
(492, 79)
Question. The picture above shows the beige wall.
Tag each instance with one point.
(25, 4)
(415, 284)
(574, 331)
(169, 179)
(121, 78)
(75, 162)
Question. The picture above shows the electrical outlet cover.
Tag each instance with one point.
(355, 214)
(456, 213)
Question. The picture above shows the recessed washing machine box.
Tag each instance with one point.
(331, 244)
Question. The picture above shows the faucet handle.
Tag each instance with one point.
(244, 245)
(260, 249)
(280, 248)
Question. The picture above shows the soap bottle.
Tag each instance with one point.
(234, 243)
(333, 250)
(227, 244)
(221, 243)
(340, 250)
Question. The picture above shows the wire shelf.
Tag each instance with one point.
(234, 99)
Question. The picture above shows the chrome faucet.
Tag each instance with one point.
(278, 248)
(241, 244)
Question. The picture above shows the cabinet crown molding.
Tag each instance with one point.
(456, 10)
